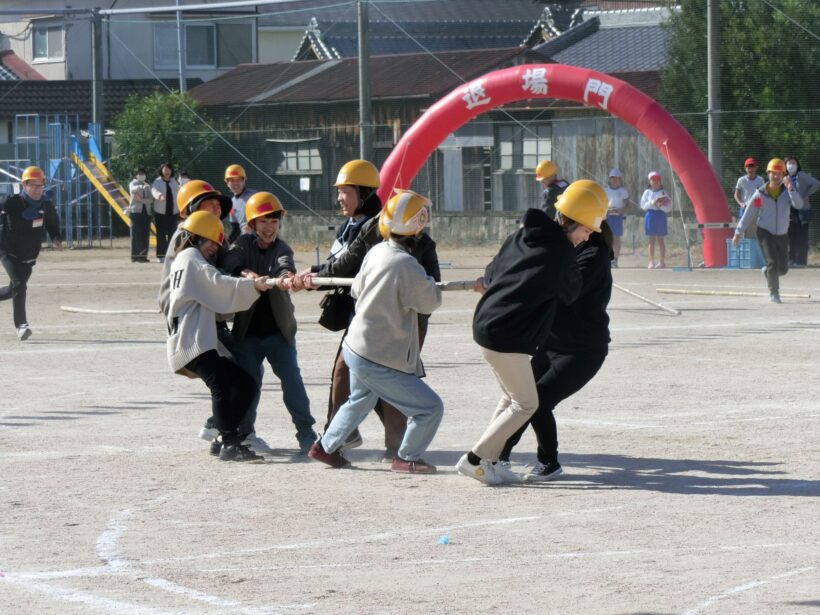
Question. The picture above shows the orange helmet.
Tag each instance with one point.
(33, 173)
(235, 171)
(545, 169)
(262, 204)
(776, 165)
(193, 192)
(205, 224)
(358, 173)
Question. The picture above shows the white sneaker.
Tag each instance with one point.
(503, 469)
(208, 433)
(484, 472)
(257, 444)
(23, 332)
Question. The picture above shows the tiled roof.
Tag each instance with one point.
(73, 97)
(300, 13)
(394, 76)
(340, 39)
(13, 68)
(611, 50)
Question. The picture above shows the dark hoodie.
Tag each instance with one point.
(532, 272)
(22, 225)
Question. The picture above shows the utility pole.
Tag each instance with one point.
(180, 51)
(365, 127)
(97, 99)
(713, 87)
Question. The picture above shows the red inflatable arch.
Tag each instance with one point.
(582, 85)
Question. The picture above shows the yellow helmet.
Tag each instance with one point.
(193, 192)
(406, 213)
(777, 165)
(235, 171)
(262, 204)
(545, 169)
(358, 173)
(584, 202)
(33, 173)
(204, 224)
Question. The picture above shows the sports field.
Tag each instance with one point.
(691, 484)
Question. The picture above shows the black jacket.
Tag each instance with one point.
(533, 270)
(22, 226)
(551, 195)
(584, 325)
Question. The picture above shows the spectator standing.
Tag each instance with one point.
(139, 211)
(23, 219)
(770, 207)
(746, 185)
(166, 213)
(657, 204)
(799, 219)
(236, 179)
(617, 198)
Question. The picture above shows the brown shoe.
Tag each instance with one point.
(412, 467)
(332, 459)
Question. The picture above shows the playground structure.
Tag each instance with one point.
(82, 187)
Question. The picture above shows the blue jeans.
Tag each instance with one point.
(250, 352)
(406, 392)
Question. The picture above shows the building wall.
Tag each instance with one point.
(278, 45)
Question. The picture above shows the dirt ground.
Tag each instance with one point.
(691, 484)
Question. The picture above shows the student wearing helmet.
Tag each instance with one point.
(382, 345)
(166, 209)
(547, 173)
(267, 330)
(23, 218)
(770, 207)
(573, 353)
(195, 195)
(236, 179)
(198, 293)
(534, 270)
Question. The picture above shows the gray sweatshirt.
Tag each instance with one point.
(197, 293)
(391, 289)
(772, 214)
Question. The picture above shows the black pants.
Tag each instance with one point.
(232, 392)
(166, 225)
(19, 274)
(775, 250)
(557, 376)
(140, 230)
(798, 240)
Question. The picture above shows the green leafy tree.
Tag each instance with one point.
(769, 88)
(153, 129)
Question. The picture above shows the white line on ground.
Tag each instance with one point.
(745, 587)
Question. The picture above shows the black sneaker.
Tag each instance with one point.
(216, 447)
(238, 452)
(544, 472)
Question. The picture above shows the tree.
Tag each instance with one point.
(769, 86)
(158, 128)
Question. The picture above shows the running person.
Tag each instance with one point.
(23, 218)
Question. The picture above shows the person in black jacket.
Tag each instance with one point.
(574, 351)
(23, 217)
(534, 270)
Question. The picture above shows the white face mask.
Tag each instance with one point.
(141, 177)
(792, 168)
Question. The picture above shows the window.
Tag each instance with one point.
(48, 43)
(522, 147)
(537, 145)
(206, 45)
(300, 158)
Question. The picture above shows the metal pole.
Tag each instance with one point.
(97, 102)
(365, 128)
(713, 80)
(180, 52)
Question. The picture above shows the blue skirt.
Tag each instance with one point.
(654, 223)
(616, 223)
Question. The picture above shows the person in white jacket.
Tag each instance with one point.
(198, 292)
(382, 345)
(657, 204)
